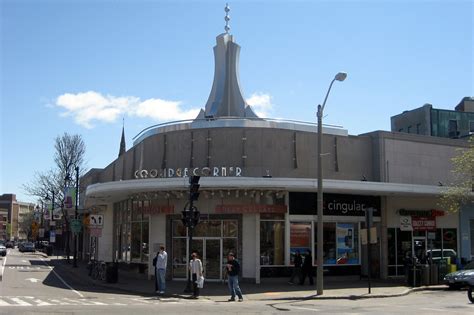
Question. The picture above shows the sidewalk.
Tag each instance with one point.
(342, 287)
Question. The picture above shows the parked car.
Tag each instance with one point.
(436, 254)
(27, 247)
(10, 244)
(3, 250)
(460, 278)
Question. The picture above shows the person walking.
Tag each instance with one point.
(161, 263)
(233, 270)
(307, 268)
(195, 267)
(297, 262)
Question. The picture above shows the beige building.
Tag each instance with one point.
(258, 191)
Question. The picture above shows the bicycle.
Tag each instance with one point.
(97, 270)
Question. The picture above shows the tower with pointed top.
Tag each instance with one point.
(122, 141)
(225, 99)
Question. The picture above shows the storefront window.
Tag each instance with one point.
(178, 228)
(132, 241)
(272, 242)
(136, 241)
(347, 244)
(230, 228)
(300, 239)
(450, 239)
(208, 228)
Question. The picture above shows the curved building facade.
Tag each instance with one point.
(258, 191)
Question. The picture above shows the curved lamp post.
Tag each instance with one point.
(341, 76)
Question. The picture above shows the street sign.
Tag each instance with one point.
(76, 225)
(96, 232)
(96, 220)
(41, 232)
(52, 237)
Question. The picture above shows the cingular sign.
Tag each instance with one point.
(190, 171)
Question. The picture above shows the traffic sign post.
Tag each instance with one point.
(76, 225)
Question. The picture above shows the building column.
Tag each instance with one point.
(106, 241)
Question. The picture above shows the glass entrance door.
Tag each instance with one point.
(210, 250)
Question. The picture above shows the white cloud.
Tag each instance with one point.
(164, 110)
(261, 103)
(89, 107)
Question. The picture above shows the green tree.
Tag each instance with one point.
(460, 192)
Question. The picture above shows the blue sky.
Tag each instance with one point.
(80, 66)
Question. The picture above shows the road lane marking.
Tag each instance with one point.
(38, 301)
(33, 280)
(20, 301)
(3, 303)
(306, 308)
(62, 280)
(97, 303)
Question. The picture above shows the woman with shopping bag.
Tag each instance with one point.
(195, 267)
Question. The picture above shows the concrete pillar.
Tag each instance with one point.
(248, 245)
(106, 241)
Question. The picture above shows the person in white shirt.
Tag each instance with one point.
(195, 266)
(161, 263)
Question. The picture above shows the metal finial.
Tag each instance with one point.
(227, 18)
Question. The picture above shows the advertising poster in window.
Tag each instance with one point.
(345, 244)
(300, 238)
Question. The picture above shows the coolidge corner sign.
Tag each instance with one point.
(192, 171)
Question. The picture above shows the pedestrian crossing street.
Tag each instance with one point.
(46, 301)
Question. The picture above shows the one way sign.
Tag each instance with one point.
(96, 220)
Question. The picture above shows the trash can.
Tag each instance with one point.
(425, 274)
(49, 250)
(111, 272)
(434, 274)
(414, 276)
(442, 269)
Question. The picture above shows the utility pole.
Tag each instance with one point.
(190, 219)
(75, 216)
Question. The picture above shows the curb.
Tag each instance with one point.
(304, 298)
(359, 297)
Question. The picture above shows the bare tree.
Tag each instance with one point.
(69, 154)
(70, 151)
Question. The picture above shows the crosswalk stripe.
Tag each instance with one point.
(77, 302)
(97, 303)
(45, 301)
(20, 301)
(3, 303)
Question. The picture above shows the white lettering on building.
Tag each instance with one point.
(186, 172)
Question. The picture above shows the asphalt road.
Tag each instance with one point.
(31, 286)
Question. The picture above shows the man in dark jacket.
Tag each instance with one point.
(233, 269)
(307, 268)
(298, 262)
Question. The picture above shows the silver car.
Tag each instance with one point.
(460, 278)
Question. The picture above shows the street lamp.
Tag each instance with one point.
(341, 76)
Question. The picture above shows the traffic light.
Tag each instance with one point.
(190, 217)
(195, 217)
(193, 188)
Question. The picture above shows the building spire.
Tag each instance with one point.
(226, 99)
(227, 18)
(122, 140)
